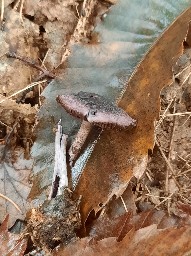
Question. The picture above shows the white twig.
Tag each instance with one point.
(60, 177)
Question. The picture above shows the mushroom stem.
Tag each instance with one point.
(79, 141)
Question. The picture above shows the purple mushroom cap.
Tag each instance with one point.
(96, 110)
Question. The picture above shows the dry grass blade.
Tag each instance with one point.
(2, 9)
(178, 114)
(124, 204)
(11, 201)
(24, 89)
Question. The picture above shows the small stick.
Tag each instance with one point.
(167, 198)
(60, 177)
(179, 114)
(45, 57)
(11, 201)
(184, 69)
(2, 9)
(168, 164)
(164, 114)
(4, 124)
(31, 63)
(21, 10)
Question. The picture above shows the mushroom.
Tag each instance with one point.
(92, 109)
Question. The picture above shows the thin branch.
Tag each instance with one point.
(31, 63)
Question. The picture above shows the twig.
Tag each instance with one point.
(4, 124)
(11, 201)
(31, 63)
(22, 90)
(182, 173)
(182, 70)
(164, 114)
(148, 176)
(43, 61)
(167, 198)
(21, 10)
(170, 149)
(2, 9)
(178, 114)
(60, 177)
(168, 164)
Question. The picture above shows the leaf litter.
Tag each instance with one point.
(11, 244)
(52, 51)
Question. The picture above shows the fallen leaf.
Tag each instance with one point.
(120, 155)
(14, 184)
(16, 38)
(57, 21)
(146, 241)
(11, 244)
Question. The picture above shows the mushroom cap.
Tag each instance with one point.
(95, 109)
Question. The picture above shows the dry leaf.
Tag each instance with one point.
(118, 156)
(14, 184)
(57, 21)
(146, 241)
(11, 244)
(14, 74)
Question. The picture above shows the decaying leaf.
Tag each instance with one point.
(11, 244)
(14, 184)
(16, 38)
(126, 151)
(167, 178)
(146, 241)
(57, 21)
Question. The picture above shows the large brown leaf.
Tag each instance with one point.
(146, 241)
(119, 155)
